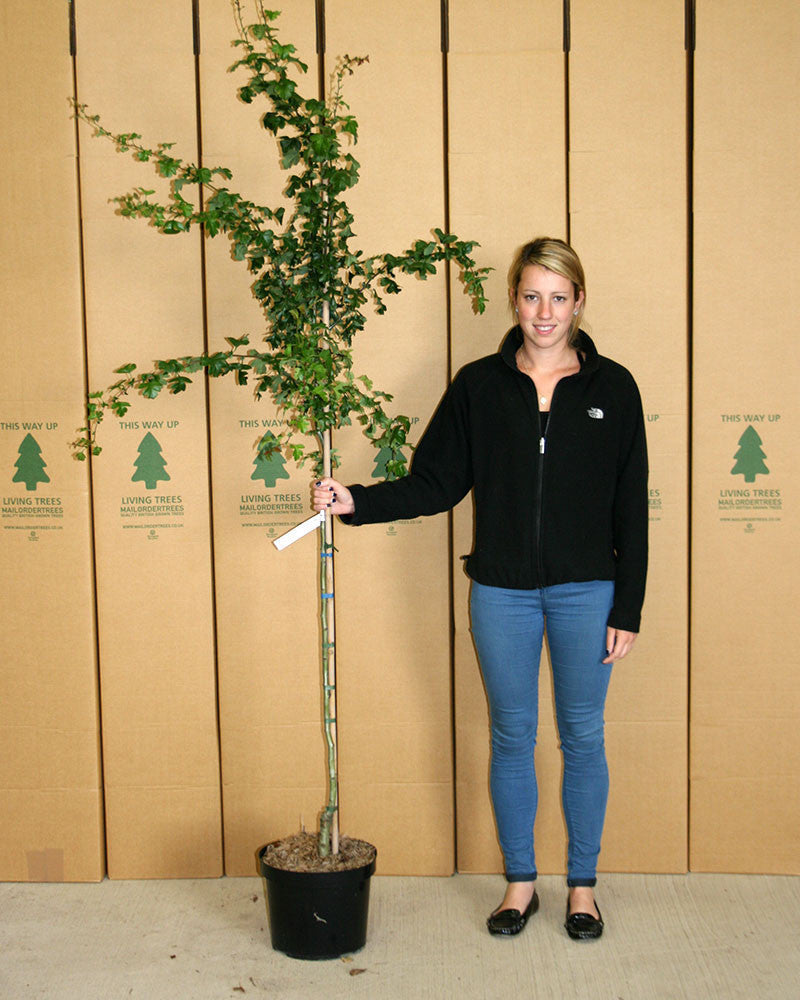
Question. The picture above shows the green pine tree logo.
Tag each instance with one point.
(381, 459)
(150, 466)
(30, 465)
(750, 457)
(269, 464)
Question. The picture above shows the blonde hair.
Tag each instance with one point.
(553, 255)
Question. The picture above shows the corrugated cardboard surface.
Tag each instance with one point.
(627, 121)
(393, 615)
(619, 128)
(50, 795)
(155, 610)
(507, 166)
(745, 810)
(273, 757)
(507, 171)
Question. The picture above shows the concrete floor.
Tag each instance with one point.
(703, 937)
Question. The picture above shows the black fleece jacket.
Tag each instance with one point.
(557, 500)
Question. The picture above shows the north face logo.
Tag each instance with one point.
(595, 413)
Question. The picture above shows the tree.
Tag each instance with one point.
(150, 465)
(750, 457)
(313, 285)
(269, 463)
(30, 465)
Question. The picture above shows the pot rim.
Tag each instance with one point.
(276, 874)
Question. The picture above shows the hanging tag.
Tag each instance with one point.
(299, 530)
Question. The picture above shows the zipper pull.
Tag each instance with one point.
(541, 445)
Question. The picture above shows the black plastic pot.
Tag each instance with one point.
(317, 914)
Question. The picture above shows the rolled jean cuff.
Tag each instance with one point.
(574, 882)
(523, 877)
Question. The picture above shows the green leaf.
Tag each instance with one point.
(168, 366)
(238, 341)
(273, 122)
(290, 150)
(285, 88)
(178, 383)
(282, 51)
(323, 145)
(168, 166)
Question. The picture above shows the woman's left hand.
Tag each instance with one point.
(618, 644)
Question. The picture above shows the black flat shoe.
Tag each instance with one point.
(511, 921)
(583, 926)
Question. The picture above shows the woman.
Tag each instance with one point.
(550, 436)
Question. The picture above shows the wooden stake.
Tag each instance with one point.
(330, 651)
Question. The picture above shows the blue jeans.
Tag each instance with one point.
(508, 627)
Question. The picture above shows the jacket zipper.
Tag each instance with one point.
(540, 480)
(540, 473)
(539, 493)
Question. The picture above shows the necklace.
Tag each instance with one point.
(521, 364)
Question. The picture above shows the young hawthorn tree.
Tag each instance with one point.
(314, 287)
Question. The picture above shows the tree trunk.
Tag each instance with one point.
(329, 823)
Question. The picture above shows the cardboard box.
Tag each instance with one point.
(615, 138)
(267, 607)
(272, 749)
(507, 171)
(393, 609)
(50, 788)
(745, 747)
(628, 182)
(507, 182)
(150, 486)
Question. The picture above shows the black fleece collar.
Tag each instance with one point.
(587, 352)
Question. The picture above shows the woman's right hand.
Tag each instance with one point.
(328, 494)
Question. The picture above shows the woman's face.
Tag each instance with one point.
(545, 304)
